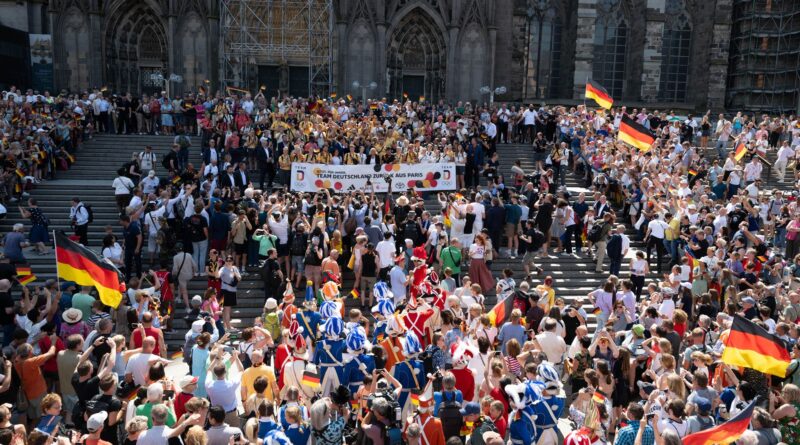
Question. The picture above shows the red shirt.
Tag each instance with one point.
(415, 321)
(180, 403)
(44, 345)
(465, 382)
(149, 332)
(166, 289)
(501, 424)
(282, 353)
(498, 394)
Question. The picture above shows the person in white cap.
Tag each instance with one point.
(159, 433)
(95, 426)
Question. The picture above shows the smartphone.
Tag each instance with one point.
(650, 416)
(237, 437)
(169, 393)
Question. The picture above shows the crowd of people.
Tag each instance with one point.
(376, 325)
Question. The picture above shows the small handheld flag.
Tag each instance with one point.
(422, 98)
(415, 398)
(741, 150)
(349, 98)
(333, 95)
(355, 294)
(311, 379)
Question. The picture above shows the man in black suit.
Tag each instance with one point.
(241, 177)
(228, 178)
(266, 163)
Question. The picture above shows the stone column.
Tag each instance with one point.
(452, 70)
(380, 61)
(718, 55)
(492, 56)
(653, 46)
(339, 59)
(96, 58)
(584, 46)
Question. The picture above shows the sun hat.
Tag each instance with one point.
(72, 315)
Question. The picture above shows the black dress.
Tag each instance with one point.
(621, 395)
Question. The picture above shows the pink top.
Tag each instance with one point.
(211, 306)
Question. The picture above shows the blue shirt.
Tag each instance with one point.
(509, 331)
(627, 435)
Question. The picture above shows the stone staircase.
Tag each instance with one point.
(99, 158)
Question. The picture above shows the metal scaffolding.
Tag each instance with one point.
(277, 33)
(764, 69)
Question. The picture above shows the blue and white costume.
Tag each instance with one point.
(328, 356)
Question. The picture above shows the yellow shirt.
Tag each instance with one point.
(674, 230)
(250, 375)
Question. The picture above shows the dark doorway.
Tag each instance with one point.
(298, 81)
(414, 86)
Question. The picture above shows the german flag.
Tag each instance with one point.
(692, 172)
(373, 106)
(414, 398)
(20, 173)
(741, 150)
(349, 98)
(753, 347)
(355, 294)
(501, 311)
(26, 279)
(81, 265)
(333, 95)
(599, 94)
(635, 134)
(311, 379)
(724, 433)
(24, 271)
(422, 98)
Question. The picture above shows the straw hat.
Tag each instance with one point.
(72, 315)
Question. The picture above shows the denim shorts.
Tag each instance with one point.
(298, 263)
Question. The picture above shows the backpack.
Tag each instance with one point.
(298, 246)
(350, 225)
(272, 323)
(450, 415)
(165, 161)
(184, 141)
(410, 231)
(595, 233)
(614, 247)
(89, 212)
(537, 241)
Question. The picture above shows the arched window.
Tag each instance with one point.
(610, 47)
(675, 53)
(542, 72)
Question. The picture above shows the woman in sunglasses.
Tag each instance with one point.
(229, 276)
(212, 267)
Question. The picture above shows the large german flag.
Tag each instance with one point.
(633, 133)
(501, 311)
(599, 94)
(81, 265)
(752, 346)
(724, 433)
(740, 151)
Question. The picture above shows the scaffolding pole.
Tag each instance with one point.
(278, 33)
(764, 71)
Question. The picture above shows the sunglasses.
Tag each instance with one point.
(229, 260)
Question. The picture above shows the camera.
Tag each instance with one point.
(394, 406)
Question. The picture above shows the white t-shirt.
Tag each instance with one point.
(280, 228)
(122, 185)
(138, 366)
(529, 117)
(667, 307)
(385, 250)
(398, 280)
(657, 228)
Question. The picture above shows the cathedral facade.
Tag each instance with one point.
(663, 53)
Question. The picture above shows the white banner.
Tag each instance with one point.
(347, 178)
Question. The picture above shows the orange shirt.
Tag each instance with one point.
(30, 373)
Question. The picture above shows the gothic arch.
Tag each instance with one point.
(417, 54)
(135, 46)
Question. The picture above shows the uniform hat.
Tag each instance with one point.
(419, 254)
(299, 343)
(333, 326)
(355, 341)
(288, 294)
(412, 302)
(381, 291)
(329, 309)
(96, 421)
(309, 300)
(276, 437)
(384, 307)
(411, 345)
(549, 375)
(72, 315)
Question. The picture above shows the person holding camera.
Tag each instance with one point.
(381, 418)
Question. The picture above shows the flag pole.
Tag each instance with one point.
(55, 252)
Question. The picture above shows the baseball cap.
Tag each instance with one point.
(187, 380)
(703, 405)
(96, 421)
(197, 300)
(748, 300)
(470, 408)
